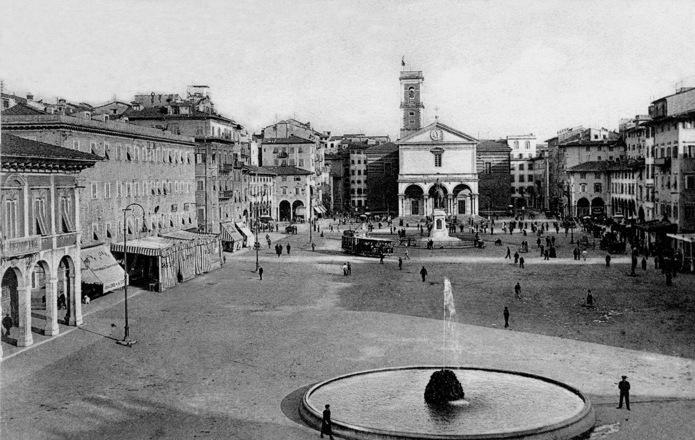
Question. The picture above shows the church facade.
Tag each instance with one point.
(437, 163)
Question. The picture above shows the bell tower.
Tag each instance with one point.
(411, 103)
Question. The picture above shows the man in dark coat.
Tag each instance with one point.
(516, 257)
(7, 324)
(644, 263)
(326, 424)
(288, 248)
(506, 317)
(624, 387)
(423, 273)
(400, 263)
(509, 254)
(608, 260)
(521, 262)
(517, 290)
(260, 273)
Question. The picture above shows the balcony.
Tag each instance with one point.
(69, 239)
(13, 247)
(226, 168)
(663, 162)
(226, 195)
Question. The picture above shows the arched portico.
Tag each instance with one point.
(66, 286)
(462, 200)
(598, 206)
(298, 210)
(413, 200)
(44, 296)
(583, 207)
(16, 302)
(285, 213)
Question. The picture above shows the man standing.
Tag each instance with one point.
(509, 254)
(608, 260)
(400, 263)
(7, 324)
(517, 290)
(326, 427)
(624, 387)
(288, 248)
(260, 273)
(644, 263)
(521, 262)
(506, 317)
(516, 257)
(423, 273)
(313, 246)
(381, 258)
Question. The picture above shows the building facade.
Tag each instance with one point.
(494, 178)
(40, 237)
(382, 178)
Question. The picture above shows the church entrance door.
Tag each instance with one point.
(415, 207)
(462, 206)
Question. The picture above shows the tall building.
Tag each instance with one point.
(494, 178)
(411, 103)
(40, 256)
(358, 177)
(523, 151)
(222, 147)
(382, 178)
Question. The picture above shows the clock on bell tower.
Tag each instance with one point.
(411, 103)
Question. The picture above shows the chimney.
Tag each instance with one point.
(30, 97)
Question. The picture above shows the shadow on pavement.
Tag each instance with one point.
(97, 333)
(291, 403)
(138, 418)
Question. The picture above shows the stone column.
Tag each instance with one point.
(24, 338)
(401, 205)
(426, 205)
(75, 299)
(51, 327)
(450, 204)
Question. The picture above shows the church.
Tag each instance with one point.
(437, 163)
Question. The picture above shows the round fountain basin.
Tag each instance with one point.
(389, 404)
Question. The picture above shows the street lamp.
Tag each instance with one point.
(126, 337)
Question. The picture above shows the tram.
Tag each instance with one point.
(366, 246)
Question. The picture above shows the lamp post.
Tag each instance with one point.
(126, 337)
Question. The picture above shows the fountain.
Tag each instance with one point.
(499, 404)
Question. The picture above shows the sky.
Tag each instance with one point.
(492, 68)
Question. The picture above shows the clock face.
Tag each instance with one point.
(436, 135)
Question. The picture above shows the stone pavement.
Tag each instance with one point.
(228, 356)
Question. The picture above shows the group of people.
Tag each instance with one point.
(278, 249)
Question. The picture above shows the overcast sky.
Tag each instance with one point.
(491, 68)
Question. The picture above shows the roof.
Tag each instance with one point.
(289, 140)
(608, 165)
(288, 171)
(493, 145)
(385, 148)
(22, 109)
(15, 146)
(161, 113)
(258, 170)
(439, 125)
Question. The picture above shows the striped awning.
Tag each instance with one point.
(148, 246)
(229, 233)
(245, 230)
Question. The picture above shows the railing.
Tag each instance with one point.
(226, 167)
(12, 247)
(47, 243)
(226, 194)
(69, 239)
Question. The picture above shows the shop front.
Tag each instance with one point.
(101, 273)
(232, 240)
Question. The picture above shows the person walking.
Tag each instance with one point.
(516, 257)
(509, 254)
(381, 258)
(624, 387)
(506, 317)
(608, 260)
(349, 268)
(517, 290)
(326, 424)
(633, 265)
(546, 255)
(313, 246)
(407, 257)
(423, 273)
(521, 262)
(260, 273)
(400, 263)
(644, 263)
(7, 324)
(589, 299)
(345, 270)
(288, 248)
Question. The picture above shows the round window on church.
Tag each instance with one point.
(411, 93)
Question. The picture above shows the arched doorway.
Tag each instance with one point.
(462, 199)
(598, 207)
(583, 207)
(439, 196)
(10, 301)
(414, 203)
(298, 210)
(285, 211)
(640, 214)
(66, 291)
(43, 298)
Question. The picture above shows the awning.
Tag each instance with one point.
(682, 237)
(149, 246)
(245, 231)
(100, 267)
(317, 210)
(189, 236)
(300, 210)
(229, 233)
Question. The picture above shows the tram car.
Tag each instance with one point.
(365, 246)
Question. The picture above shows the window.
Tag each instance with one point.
(582, 175)
(521, 167)
(200, 185)
(582, 187)
(301, 162)
(521, 178)
(107, 190)
(588, 148)
(118, 189)
(94, 190)
(530, 166)
(95, 231)
(11, 220)
(597, 187)
(516, 145)
(488, 167)
(40, 216)
(597, 176)
(296, 190)
(528, 145)
(438, 159)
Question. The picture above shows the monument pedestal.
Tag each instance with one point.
(439, 230)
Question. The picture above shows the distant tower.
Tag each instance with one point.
(411, 82)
